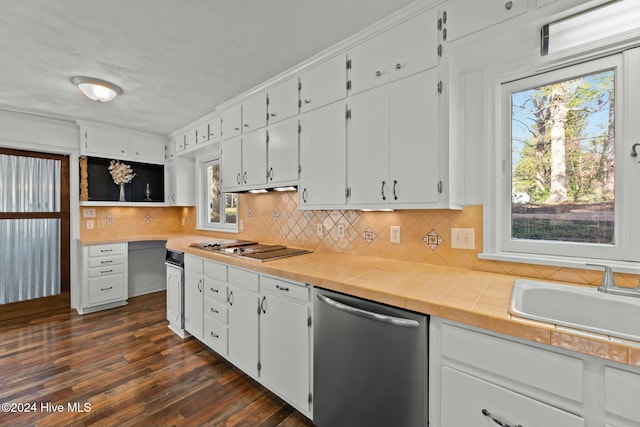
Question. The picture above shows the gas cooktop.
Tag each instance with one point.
(250, 249)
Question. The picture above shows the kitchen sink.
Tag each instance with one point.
(577, 307)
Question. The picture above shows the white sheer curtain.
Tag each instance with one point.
(29, 247)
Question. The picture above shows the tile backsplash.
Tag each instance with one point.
(275, 218)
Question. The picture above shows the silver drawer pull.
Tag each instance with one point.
(106, 289)
(215, 335)
(392, 320)
(213, 310)
(214, 290)
(106, 250)
(106, 262)
(106, 271)
(282, 288)
(498, 421)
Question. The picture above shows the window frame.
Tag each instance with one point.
(624, 254)
(203, 201)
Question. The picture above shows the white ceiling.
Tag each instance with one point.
(176, 60)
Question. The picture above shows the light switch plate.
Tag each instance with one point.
(88, 212)
(463, 238)
(394, 235)
(340, 230)
(319, 230)
(90, 224)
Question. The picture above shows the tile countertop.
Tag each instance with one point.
(472, 297)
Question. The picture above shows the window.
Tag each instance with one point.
(565, 172)
(220, 211)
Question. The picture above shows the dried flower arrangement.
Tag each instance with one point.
(121, 173)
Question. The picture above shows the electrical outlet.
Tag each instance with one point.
(319, 230)
(241, 225)
(394, 235)
(463, 238)
(88, 213)
(340, 230)
(90, 224)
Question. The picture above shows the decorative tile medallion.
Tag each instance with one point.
(148, 218)
(308, 215)
(109, 219)
(249, 213)
(369, 235)
(433, 240)
(275, 213)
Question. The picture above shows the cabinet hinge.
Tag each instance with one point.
(267, 99)
(347, 113)
(439, 50)
(259, 366)
(347, 192)
(299, 85)
(267, 135)
(309, 321)
(348, 84)
(299, 128)
(310, 398)
(348, 64)
(440, 187)
(299, 169)
(440, 86)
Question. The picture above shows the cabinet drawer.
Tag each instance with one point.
(106, 289)
(215, 290)
(216, 336)
(552, 372)
(106, 270)
(106, 261)
(285, 289)
(193, 263)
(621, 391)
(215, 270)
(216, 310)
(107, 249)
(243, 279)
(469, 401)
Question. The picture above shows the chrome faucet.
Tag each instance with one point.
(608, 284)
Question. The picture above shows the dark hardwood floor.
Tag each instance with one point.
(124, 367)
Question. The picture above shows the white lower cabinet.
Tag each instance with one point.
(470, 401)
(285, 341)
(104, 273)
(259, 323)
(621, 394)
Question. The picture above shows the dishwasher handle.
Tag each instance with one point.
(396, 321)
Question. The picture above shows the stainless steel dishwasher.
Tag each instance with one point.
(370, 363)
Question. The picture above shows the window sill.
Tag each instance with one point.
(218, 230)
(570, 262)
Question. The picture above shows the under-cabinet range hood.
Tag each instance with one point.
(250, 249)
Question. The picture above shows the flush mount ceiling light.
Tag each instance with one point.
(96, 89)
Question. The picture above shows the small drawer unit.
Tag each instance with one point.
(104, 277)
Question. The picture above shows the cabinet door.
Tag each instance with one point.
(369, 64)
(178, 142)
(254, 158)
(284, 349)
(202, 133)
(174, 296)
(106, 142)
(323, 84)
(215, 129)
(621, 391)
(323, 150)
(231, 164)
(413, 45)
(283, 101)
(282, 152)
(254, 113)
(147, 148)
(469, 401)
(243, 330)
(190, 138)
(414, 139)
(369, 147)
(193, 303)
(466, 17)
(231, 120)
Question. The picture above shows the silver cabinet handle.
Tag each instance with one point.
(106, 262)
(244, 177)
(378, 73)
(396, 321)
(304, 195)
(236, 128)
(200, 285)
(106, 289)
(230, 297)
(246, 125)
(214, 335)
(498, 421)
(238, 179)
(214, 290)
(213, 310)
(106, 250)
(273, 114)
(106, 271)
(282, 288)
(261, 306)
(398, 66)
(270, 174)
(382, 190)
(508, 5)
(395, 186)
(307, 101)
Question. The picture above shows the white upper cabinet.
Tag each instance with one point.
(283, 152)
(231, 164)
(214, 127)
(323, 84)
(283, 101)
(466, 17)
(406, 49)
(121, 144)
(254, 158)
(323, 157)
(231, 121)
(254, 113)
(393, 140)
